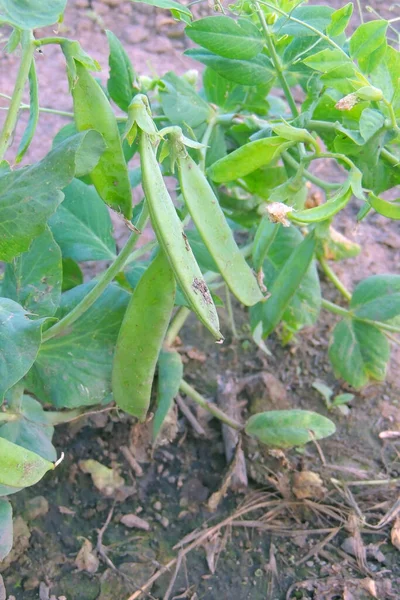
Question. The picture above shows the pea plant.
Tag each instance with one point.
(283, 86)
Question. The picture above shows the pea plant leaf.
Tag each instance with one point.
(377, 298)
(319, 17)
(368, 44)
(293, 283)
(20, 338)
(339, 20)
(20, 467)
(178, 10)
(31, 14)
(29, 196)
(170, 371)
(72, 274)
(34, 278)
(33, 113)
(31, 429)
(181, 103)
(82, 225)
(222, 35)
(74, 369)
(288, 428)
(6, 528)
(121, 84)
(251, 72)
(358, 352)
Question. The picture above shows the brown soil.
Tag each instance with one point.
(171, 494)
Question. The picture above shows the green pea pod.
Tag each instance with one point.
(171, 237)
(391, 210)
(20, 467)
(265, 235)
(248, 158)
(141, 336)
(286, 284)
(215, 232)
(92, 110)
(324, 211)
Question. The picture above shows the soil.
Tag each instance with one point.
(318, 547)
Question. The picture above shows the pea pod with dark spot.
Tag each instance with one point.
(215, 232)
(92, 110)
(141, 336)
(171, 237)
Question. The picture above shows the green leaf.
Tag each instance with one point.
(221, 91)
(339, 20)
(368, 44)
(6, 528)
(325, 391)
(31, 430)
(292, 281)
(342, 399)
(201, 253)
(181, 103)
(222, 35)
(335, 246)
(371, 121)
(34, 278)
(29, 196)
(31, 14)
(251, 72)
(318, 17)
(288, 428)
(248, 158)
(73, 51)
(75, 369)
(20, 339)
(12, 43)
(385, 76)
(182, 12)
(170, 371)
(121, 84)
(328, 60)
(33, 113)
(377, 298)
(20, 467)
(263, 240)
(358, 352)
(72, 274)
(82, 225)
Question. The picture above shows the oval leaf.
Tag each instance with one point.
(20, 467)
(6, 528)
(31, 14)
(288, 428)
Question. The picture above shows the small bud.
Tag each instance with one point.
(277, 212)
(191, 77)
(145, 83)
(348, 102)
(369, 92)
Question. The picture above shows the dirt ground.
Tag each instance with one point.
(319, 547)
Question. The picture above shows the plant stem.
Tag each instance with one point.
(390, 158)
(28, 48)
(325, 185)
(205, 140)
(392, 116)
(9, 416)
(230, 313)
(50, 40)
(102, 283)
(276, 60)
(187, 389)
(334, 308)
(176, 324)
(334, 279)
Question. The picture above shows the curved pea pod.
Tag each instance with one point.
(248, 158)
(141, 336)
(391, 210)
(215, 232)
(20, 467)
(263, 240)
(324, 211)
(171, 237)
(92, 110)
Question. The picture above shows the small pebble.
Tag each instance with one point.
(157, 506)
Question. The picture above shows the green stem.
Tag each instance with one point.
(390, 158)
(334, 308)
(102, 283)
(28, 48)
(205, 140)
(392, 116)
(187, 389)
(325, 185)
(230, 313)
(176, 324)
(276, 60)
(9, 416)
(50, 40)
(334, 279)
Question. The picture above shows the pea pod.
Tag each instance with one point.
(324, 211)
(215, 232)
(20, 467)
(248, 158)
(92, 110)
(391, 210)
(171, 237)
(141, 336)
